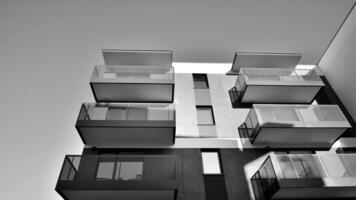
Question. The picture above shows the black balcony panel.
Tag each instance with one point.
(126, 125)
(118, 177)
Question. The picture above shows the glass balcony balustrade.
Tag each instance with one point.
(134, 76)
(283, 125)
(306, 176)
(300, 166)
(127, 111)
(278, 76)
(277, 85)
(133, 83)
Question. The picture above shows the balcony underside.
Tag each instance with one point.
(279, 94)
(315, 192)
(306, 176)
(133, 92)
(112, 134)
(298, 137)
(118, 194)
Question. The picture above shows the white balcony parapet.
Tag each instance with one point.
(325, 166)
(278, 76)
(273, 78)
(134, 76)
(306, 176)
(277, 85)
(283, 125)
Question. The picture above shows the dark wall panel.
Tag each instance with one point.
(233, 162)
(215, 187)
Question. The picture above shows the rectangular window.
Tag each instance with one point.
(211, 162)
(129, 171)
(105, 170)
(200, 81)
(205, 115)
(119, 170)
(132, 113)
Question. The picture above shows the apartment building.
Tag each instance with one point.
(264, 130)
(183, 100)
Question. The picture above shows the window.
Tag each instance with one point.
(132, 113)
(119, 170)
(105, 170)
(205, 115)
(129, 171)
(200, 81)
(211, 162)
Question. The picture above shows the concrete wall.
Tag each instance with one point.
(227, 119)
(339, 63)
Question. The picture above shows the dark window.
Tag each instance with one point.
(110, 168)
(205, 115)
(200, 81)
(129, 170)
(105, 170)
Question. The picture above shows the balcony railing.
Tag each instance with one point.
(133, 74)
(276, 76)
(118, 177)
(306, 176)
(301, 166)
(277, 85)
(264, 181)
(301, 115)
(130, 112)
(119, 168)
(115, 125)
(133, 83)
(264, 60)
(138, 57)
(290, 125)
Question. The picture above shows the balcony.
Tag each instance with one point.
(272, 78)
(306, 176)
(134, 76)
(299, 126)
(277, 85)
(141, 177)
(126, 125)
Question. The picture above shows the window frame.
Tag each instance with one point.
(113, 170)
(212, 115)
(219, 161)
(116, 161)
(200, 77)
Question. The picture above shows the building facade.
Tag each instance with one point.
(264, 130)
